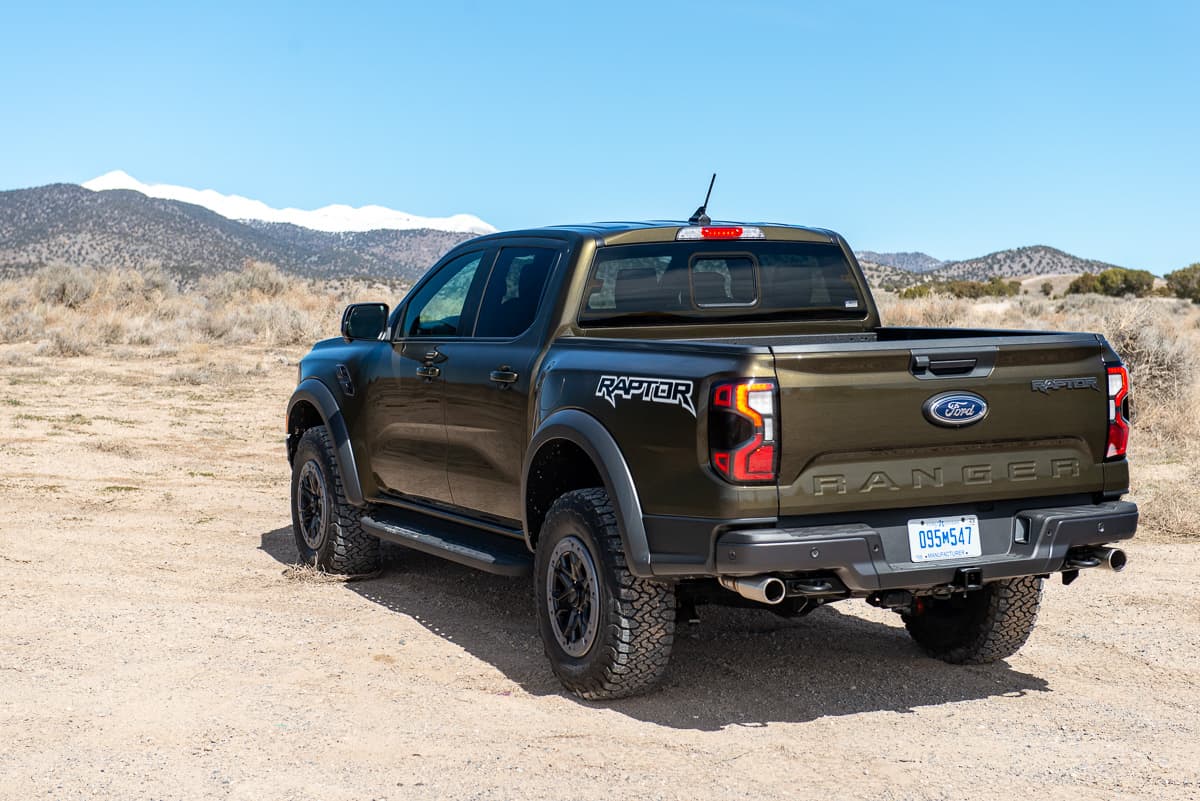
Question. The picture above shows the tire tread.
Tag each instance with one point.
(996, 626)
(642, 628)
(350, 550)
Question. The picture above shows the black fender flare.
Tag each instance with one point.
(314, 391)
(590, 434)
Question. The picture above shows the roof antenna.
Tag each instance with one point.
(701, 216)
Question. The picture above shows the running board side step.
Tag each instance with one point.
(492, 553)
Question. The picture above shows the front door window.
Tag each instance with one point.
(438, 308)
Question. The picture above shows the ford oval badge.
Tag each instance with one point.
(955, 409)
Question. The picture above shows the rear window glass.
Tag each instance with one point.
(739, 281)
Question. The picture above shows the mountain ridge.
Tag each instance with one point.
(68, 224)
(72, 225)
(912, 261)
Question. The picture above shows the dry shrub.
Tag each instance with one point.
(61, 285)
(69, 310)
(1160, 357)
(192, 376)
(23, 326)
(1166, 496)
(931, 311)
(136, 289)
(14, 358)
(1169, 512)
(212, 373)
(255, 278)
(63, 344)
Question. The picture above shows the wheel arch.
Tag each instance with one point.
(312, 404)
(573, 450)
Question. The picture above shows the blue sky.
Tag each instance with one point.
(945, 127)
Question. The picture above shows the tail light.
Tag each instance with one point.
(1118, 412)
(743, 431)
(721, 232)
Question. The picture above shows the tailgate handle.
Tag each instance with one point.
(951, 366)
(953, 363)
(922, 364)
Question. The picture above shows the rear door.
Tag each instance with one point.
(489, 378)
(405, 403)
(884, 424)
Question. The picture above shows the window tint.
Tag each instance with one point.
(723, 282)
(737, 281)
(436, 310)
(510, 302)
(632, 282)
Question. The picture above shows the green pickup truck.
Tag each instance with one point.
(650, 416)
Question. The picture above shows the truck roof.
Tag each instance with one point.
(632, 232)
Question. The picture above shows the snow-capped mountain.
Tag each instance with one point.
(331, 219)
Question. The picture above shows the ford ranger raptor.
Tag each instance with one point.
(647, 416)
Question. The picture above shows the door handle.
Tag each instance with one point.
(429, 372)
(504, 375)
(435, 357)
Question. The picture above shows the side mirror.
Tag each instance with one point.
(364, 321)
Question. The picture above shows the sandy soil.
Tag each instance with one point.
(156, 646)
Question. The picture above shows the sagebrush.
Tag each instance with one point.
(69, 311)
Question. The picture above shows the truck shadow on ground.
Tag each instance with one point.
(738, 667)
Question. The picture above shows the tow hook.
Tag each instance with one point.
(891, 599)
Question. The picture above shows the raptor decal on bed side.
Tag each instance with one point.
(670, 391)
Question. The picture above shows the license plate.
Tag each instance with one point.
(935, 538)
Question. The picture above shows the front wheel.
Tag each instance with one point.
(608, 634)
(980, 626)
(326, 526)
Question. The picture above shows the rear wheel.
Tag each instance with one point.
(326, 527)
(608, 634)
(977, 627)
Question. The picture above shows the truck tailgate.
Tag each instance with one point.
(856, 432)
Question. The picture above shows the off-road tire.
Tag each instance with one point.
(341, 546)
(636, 622)
(980, 626)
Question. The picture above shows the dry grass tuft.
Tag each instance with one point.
(1166, 493)
(113, 447)
(307, 574)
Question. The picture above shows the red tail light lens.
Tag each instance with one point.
(742, 431)
(1118, 412)
(729, 232)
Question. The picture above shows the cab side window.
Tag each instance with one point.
(510, 302)
(437, 310)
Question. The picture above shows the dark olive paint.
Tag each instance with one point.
(449, 419)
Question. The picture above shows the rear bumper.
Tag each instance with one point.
(867, 559)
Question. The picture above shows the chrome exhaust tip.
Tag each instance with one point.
(763, 589)
(1113, 558)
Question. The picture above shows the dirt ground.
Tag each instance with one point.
(156, 645)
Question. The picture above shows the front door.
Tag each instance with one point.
(488, 385)
(405, 402)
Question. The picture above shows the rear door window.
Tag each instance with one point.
(514, 291)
